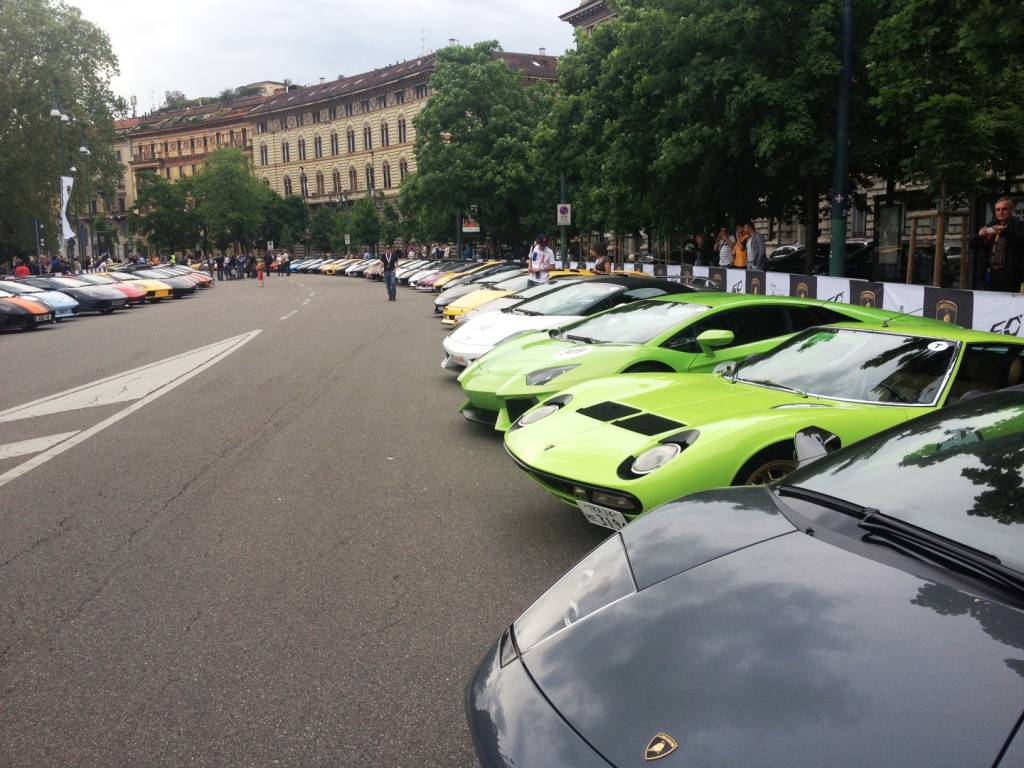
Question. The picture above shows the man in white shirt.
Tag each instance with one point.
(542, 261)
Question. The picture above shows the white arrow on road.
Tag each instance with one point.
(141, 385)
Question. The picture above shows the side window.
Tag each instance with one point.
(808, 317)
(748, 325)
(986, 368)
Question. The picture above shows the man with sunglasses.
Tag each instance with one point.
(1004, 236)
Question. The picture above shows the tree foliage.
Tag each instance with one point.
(365, 223)
(165, 213)
(229, 199)
(43, 42)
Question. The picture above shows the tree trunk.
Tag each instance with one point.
(811, 198)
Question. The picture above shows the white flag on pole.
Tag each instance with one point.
(66, 182)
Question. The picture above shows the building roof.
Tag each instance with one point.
(533, 66)
(587, 9)
(216, 112)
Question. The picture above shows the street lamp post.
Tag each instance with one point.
(840, 182)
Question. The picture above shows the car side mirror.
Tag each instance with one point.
(713, 339)
(813, 443)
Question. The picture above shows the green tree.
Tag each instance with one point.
(229, 199)
(43, 42)
(390, 225)
(165, 213)
(365, 224)
(284, 220)
(474, 139)
(323, 228)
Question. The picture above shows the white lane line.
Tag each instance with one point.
(41, 458)
(36, 445)
(290, 314)
(122, 388)
(305, 302)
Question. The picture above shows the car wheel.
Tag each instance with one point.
(769, 465)
(648, 366)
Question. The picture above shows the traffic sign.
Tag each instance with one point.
(564, 211)
(348, 239)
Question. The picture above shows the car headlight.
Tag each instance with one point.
(544, 375)
(537, 414)
(598, 580)
(655, 458)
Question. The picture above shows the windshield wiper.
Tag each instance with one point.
(776, 385)
(584, 339)
(524, 312)
(915, 542)
(931, 547)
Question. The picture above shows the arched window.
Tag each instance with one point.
(336, 182)
(353, 180)
(286, 154)
(385, 135)
(319, 184)
(369, 178)
(304, 185)
(386, 173)
(287, 186)
(403, 169)
(318, 147)
(367, 137)
(351, 140)
(402, 134)
(334, 143)
(302, 149)
(264, 155)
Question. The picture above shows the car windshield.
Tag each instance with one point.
(518, 283)
(18, 289)
(97, 280)
(959, 474)
(866, 366)
(544, 288)
(152, 273)
(123, 276)
(574, 300)
(68, 282)
(635, 323)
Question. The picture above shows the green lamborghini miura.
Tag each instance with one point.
(617, 447)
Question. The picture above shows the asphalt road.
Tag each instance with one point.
(296, 557)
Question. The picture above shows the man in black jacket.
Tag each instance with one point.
(1004, 237)
(390, 262)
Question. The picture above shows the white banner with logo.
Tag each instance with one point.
(834, 289)
(736, 280)
(998, 312)
(776, 284)
(899, 297)
(66, 183)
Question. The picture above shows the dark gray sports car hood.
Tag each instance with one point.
(777, 649)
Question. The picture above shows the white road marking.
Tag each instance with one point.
(305, 302)
(224, 348)
(36, 445)
(124, 387)
(290, 314)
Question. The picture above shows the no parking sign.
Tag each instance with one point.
(564, 212)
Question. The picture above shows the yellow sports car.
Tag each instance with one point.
(155, 289)
(332, 269)
(454, 312)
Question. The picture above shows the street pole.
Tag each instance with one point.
(61, 119)
(458, 235)
(564, 238)
(840, 182)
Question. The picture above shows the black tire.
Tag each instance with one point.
(768, 465)
(649, 366)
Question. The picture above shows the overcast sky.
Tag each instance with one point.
(202, 47)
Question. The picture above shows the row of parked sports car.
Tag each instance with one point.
(824, 556)
(30, 302)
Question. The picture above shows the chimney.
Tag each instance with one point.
(543, 51)
(451, 41)
(321, 81)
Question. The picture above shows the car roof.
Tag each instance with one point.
(720, 299)
(633, 282)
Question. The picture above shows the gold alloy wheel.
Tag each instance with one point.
(770, 471)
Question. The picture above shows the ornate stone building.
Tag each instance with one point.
(588, 15)
(353, 137)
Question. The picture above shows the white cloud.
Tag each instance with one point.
(201, 47)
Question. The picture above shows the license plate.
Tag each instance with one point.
(598, 515)
(42, 318)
